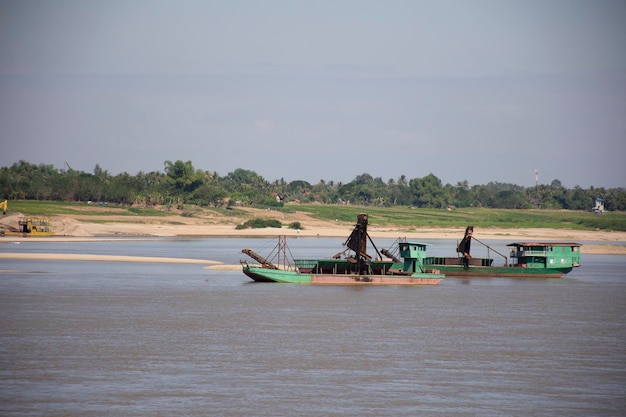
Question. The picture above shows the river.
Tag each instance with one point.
(142, 339)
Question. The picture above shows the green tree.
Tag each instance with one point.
(428, 192)
(182, 175)
(247, 186)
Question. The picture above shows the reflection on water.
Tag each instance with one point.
(102, 339)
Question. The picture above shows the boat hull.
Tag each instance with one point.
(501, 271)
(293, 277)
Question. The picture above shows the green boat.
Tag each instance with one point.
(526, 260)
(352, 266)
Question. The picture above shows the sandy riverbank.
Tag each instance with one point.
(102, 258)
(88, 228)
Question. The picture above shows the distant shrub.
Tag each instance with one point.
(260, 224)
(296, 225)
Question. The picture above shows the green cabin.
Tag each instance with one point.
(413, 254)
(545, 254)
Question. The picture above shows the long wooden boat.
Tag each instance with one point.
(526, 260)
(352, 266)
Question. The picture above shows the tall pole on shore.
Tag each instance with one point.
(536, 177)
(537, 186)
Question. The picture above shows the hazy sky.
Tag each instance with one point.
(476, 90)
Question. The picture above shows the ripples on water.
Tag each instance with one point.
(109, 339)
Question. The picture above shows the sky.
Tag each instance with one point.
(478, 91)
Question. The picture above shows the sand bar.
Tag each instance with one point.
(101, 258)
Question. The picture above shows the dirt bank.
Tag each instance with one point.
(89, 227)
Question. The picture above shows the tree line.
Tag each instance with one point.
(180, 183)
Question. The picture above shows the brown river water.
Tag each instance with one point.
(130, 339)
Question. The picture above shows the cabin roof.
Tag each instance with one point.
(544, 244)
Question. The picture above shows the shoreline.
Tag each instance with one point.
(103, 258)
(75, 229)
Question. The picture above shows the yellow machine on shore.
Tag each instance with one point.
(26, 226)
(35, 226)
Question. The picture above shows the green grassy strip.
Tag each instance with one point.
(480, 217)
(55, 208)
